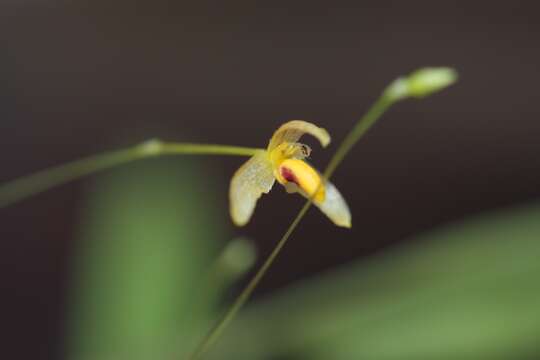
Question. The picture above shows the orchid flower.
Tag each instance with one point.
(283, 160)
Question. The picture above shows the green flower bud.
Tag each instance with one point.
(426, 81)
(421, 83)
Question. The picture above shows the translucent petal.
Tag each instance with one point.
(249, 182)
(335, 207)
(293, 130)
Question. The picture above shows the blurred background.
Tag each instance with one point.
(128, 262)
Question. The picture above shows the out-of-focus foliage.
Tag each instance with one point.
(468, 291)
(145, 283)
(151, 271)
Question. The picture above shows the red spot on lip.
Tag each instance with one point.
(289, 175)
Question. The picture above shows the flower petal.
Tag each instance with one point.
(334, 206)
(249, 182)
(293, 130)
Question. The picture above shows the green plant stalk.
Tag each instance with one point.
(22, 188)
(419, 84)
(362, 126)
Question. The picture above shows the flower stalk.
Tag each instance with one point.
(36, 183)
(419, 84)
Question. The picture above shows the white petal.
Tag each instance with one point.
(293, 130)
(249, 182)
(335, 207)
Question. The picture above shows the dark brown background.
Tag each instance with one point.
(80, 77)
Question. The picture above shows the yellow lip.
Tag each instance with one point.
(303, 175)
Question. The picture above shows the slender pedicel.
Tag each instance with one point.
(19, 189)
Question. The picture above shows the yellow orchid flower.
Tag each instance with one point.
(283, 160)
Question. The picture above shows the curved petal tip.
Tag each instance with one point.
(335, 207)
(293, 130)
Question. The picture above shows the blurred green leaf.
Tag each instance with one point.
(467, 291)
(150, 233)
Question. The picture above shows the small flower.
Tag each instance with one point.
(283, 160)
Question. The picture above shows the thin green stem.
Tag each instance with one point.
(361, 127)
(24, 187)
(202, 149)
(374, 113)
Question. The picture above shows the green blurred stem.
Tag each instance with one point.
(24, 187)
(366, 122)
(362, 126)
